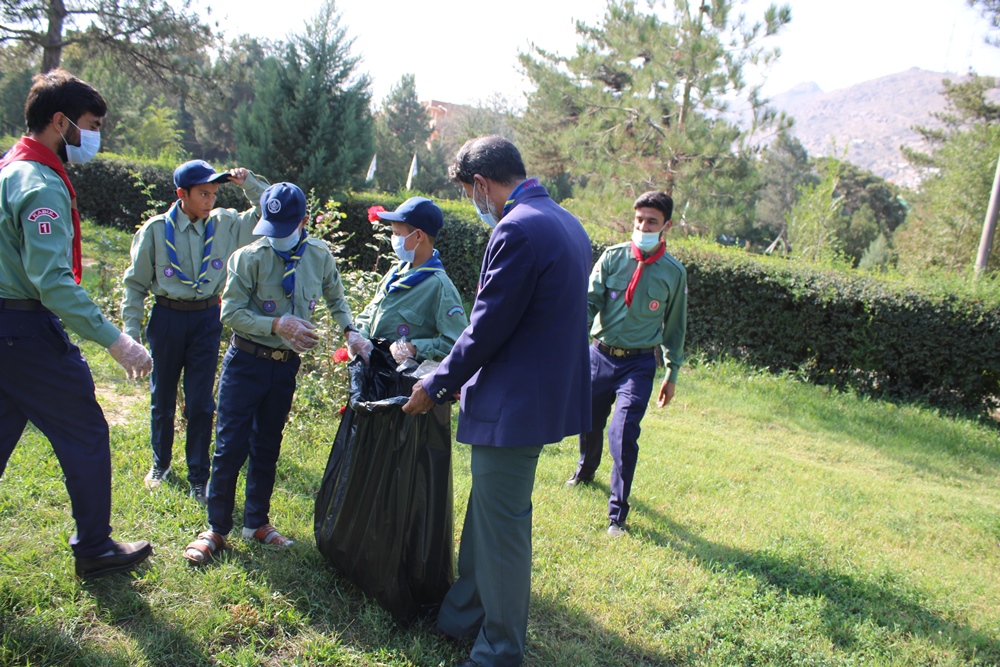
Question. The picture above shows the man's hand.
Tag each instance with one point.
(300, 334)
(402, 351)
(419, 402)
(238, 175)
(666, 393)
(131, 356)
(358, 346)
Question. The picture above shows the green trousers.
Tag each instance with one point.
(490, 597)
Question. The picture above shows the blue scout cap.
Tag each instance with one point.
(197, 172)
(418, 212)
(283, 205)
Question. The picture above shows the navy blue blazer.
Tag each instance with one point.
(523, 362)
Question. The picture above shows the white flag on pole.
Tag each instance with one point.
(413, 172)
(371, 169)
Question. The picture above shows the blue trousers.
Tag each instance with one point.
(630, 381)
(44, 380)
(255, 396)
(490, 596)
(185, 341)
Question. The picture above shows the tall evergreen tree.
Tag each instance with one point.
(309, 121)
(784, 168)
(401, 130)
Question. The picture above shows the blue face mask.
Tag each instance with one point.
(487, 216)
(645, 240)
(399, 247)
(90, 144)
(286, 243)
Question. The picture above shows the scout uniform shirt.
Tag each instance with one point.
(429, 314)
(36, 235)
(254, 294)
(151, 270)
(658, 315)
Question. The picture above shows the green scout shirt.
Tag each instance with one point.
(151, 271)
(36, 234)
(254, 295)
(430, 314)
(658, 315)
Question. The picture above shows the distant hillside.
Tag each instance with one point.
(873, 119)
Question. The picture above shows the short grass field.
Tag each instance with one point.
(773, 523)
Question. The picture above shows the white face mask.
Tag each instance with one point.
(399, 247)
(488, 216)
(90, 144)
(287, 243)
(645, 240)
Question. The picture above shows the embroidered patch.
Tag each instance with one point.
(39, 212)
(613, 294)
(216, 264)
(45, 227)
(312, 305)
(403, 330)
(169, 271)
(273, 206)
(268, 306)
(455, 310)
(653, 305)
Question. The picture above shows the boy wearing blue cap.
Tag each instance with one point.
(180, 257)
(271, 293)
(416, 305)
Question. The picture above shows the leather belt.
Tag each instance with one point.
(621, 351)
(22, 304)
(174, 304)
(262, 351)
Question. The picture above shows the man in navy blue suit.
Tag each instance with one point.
(522, 365)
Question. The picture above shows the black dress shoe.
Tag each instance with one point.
(127, 555)
(577, 480)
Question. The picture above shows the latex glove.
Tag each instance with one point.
(402, 351)
(132, 356)
(300, 334)
(359, 346)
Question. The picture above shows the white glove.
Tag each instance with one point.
(359, 346)
(401, 351)
(132, 356)
(300, 334)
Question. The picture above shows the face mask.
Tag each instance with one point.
(398, 247)
(645, 240)
(90, 143)
(286, 243)
(487, 216)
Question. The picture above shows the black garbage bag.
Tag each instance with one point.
(384, 512)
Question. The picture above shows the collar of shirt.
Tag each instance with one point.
(181, 221)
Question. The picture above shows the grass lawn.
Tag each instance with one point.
(773, 523)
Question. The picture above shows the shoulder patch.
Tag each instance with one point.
(456, 310)
(39, 212)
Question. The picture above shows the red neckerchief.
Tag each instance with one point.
(632, 284)
(30, 150)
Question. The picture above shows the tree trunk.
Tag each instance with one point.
(52, 49)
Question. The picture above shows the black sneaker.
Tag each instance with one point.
(125, 556)
(578, 480)
(616, 529)
(198, 493)
(155, 477)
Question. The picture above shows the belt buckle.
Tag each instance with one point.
(278, 355)
(617, 352)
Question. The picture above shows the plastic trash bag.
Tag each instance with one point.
(384, 512)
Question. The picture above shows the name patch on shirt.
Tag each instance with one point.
(455, 310)
(39, 212)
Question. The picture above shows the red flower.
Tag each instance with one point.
(343, 409)
(341, 355)
(373, 212)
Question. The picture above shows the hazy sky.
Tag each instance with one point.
(461, 53)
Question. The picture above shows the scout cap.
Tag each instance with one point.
(418, 212)
(283, 205)
(197, 172)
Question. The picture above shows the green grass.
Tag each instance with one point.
(773, 523)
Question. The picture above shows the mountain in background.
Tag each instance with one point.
(871, 119)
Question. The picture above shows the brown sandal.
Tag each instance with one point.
(269, 535)
(202, 548)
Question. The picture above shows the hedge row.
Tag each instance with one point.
(844, 330)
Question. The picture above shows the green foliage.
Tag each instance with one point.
(309, 122)
(929, 342)
(815, 219)
(17, 66)
(784, 168)
(639, 107)
(878, 256)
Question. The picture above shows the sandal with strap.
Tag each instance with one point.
(202, 548)
(269, 535)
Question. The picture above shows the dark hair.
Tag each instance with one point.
(58, 90)
(491, 157)
(661, 201)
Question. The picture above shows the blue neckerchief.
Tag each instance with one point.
(525, 185)
(291, 261)
(426, 270)
(170, 232)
